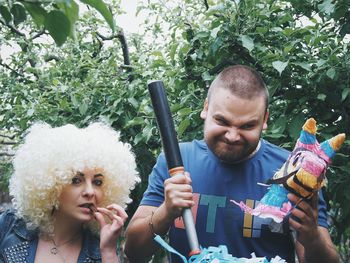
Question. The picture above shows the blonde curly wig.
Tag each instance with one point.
(50, 157)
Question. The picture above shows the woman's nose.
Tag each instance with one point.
(88, 190)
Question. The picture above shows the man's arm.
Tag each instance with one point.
(313, 243)
(139, 246)
(322, 250)
(150, 220)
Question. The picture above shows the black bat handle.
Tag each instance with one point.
(172, 151)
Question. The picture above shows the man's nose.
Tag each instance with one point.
(232, 135)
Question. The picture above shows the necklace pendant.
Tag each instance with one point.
(54, 250)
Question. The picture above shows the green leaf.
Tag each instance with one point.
(345, 94)
(135, 121)
(4, 11)
(183, 126)
(262, 30)
(173, 51)
(247, 42)
(184, 112)
(71, 10)
(296, 126)
(58, 25)
(133, 102)
(30, 112)
(36, 12)
(100, 6)
(217, 9)
(206, 76)
(326, 7)
(331, 73)
(320, 62)
(288, 31)
(19, 13)
(83, 107)
(147, 132)
(321, 96)
(304, 65)
(288, 48)
(214, 32)
(279, 65)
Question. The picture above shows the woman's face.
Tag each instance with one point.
(81, 196)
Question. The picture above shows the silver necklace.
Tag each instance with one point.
(55, 249)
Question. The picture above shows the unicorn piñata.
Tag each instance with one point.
(302, 174)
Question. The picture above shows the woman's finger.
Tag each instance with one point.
(118, 210)
(106, 212)
(100, 219)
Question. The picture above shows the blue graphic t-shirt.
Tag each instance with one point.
(218, 221)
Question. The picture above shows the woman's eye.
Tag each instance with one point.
(76, 180)
(98, 182)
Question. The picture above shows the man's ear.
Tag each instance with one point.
(204, 111)
(266, 117)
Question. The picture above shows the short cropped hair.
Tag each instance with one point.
(50, 157)
(242, 81)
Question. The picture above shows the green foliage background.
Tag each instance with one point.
(306, 68)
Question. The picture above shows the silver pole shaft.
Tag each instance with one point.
(190, 228)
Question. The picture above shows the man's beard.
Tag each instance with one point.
(233, 153)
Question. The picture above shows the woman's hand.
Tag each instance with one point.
(111, 220)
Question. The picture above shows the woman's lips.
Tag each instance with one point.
(89, 208)
(92, 208)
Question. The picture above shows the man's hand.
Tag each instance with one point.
(314, 243)
(178, 194)
(304, 219)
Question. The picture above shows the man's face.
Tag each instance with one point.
(232, 125)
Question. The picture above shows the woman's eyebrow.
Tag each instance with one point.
(98, 175)
(80, 173)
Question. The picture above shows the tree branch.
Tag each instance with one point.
(52, 57)
(7, 136)
(13, 29)
(8, 143)
(38, 34)
(125, 48)
(7, 154)
(11, 69)
(206, 4)
(123, 42)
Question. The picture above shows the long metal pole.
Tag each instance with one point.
(172, 152)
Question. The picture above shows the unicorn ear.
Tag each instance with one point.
(332, 145)
(307, 135)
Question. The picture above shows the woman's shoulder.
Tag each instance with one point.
(7, 216)
(7, 220)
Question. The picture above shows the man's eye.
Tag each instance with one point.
(220, 122)
(248, 126)
(98, 182)
(76, 180)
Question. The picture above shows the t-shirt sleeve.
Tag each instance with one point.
(154, 194)
(322, 211)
